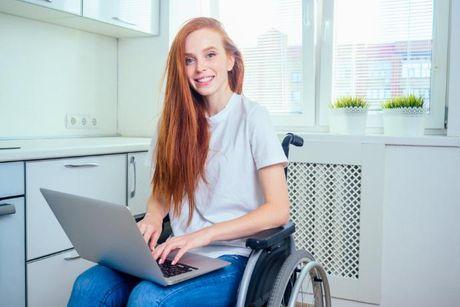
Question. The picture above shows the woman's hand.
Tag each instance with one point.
(183, 243)
(150, 227)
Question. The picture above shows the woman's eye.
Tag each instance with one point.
(188, 61)
(211, 54)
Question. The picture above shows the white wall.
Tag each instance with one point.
(420, 252)
(47, 71)
(141, 63)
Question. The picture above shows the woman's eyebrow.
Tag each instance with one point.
(204, 50)
(209, 48)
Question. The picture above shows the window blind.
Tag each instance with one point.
(382, 48)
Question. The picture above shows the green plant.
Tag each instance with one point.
(349, 102)
(408, 101)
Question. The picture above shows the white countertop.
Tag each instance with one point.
(33, 149)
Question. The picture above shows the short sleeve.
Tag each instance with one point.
(265, 146)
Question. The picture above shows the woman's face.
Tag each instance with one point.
(207, 62)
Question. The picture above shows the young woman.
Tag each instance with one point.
(218, 172)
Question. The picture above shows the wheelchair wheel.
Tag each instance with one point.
(301, 282)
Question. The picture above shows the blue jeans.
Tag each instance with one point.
(101, 286)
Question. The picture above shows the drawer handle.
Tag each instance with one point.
(72, 256)
(133, 162)
(81, 165)
(7, 209)
(123, 21)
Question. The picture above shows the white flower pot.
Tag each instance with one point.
(348, 120)
(404, 122)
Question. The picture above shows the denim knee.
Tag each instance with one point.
(147, 293)
(85, 282)
(100, 286)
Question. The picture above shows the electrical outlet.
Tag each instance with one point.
(84, 122)
(72, 121)
(81, 121)
(94, 123)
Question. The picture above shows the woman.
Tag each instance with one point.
(218, 173)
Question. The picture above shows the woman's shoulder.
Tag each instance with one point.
(252, 108)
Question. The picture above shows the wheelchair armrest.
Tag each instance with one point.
(270, 237)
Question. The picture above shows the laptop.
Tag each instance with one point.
(106, 233)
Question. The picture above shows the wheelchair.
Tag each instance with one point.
(276, 273)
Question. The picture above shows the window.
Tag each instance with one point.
(302, 54)
(385, 49)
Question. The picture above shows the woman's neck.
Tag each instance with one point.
(216, 102)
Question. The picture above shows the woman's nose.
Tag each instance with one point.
(200, 65)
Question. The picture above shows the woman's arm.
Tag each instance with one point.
(151, 225)
(273, 213)
(156, 207)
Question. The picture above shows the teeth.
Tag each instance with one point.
(205, 79)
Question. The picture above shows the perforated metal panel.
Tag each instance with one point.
(325, 206)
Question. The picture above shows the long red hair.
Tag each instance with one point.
(183, 131)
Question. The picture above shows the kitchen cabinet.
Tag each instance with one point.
(50, 254)
(118, 178)
(102, 177)
(70, 6)
(50, 280)
(12, 245)
(140, 15)
(51, 263)
(138, 183)
(116, 18)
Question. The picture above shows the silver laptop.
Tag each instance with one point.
(107, 233)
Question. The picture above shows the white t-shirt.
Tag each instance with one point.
(242, 141)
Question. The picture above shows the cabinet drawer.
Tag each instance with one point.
(100, 177)
(70, 6)
(11, 179)
(50, 280)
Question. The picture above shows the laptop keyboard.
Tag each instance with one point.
(170, 270)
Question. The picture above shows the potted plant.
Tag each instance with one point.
(348, 115)
(404, 116)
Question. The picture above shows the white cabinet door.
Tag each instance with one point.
(100, 177)
(50, 280)
(12, 252)
(70, 6)
(140, 15)
(138, 182)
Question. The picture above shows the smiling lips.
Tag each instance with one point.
(204, 81)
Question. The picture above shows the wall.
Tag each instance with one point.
(140, 66)
(47, 71)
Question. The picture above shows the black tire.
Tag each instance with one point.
(285, 280)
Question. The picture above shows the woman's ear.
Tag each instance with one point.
(230, 62)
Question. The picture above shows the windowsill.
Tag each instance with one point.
(426, 140)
